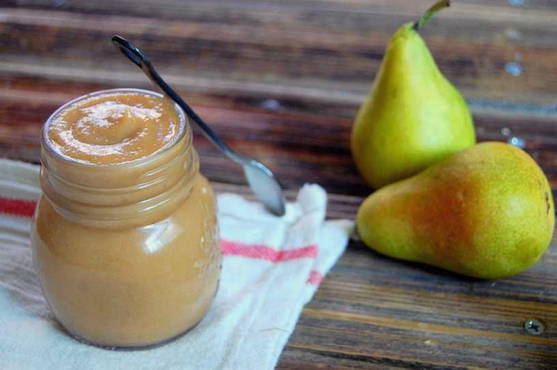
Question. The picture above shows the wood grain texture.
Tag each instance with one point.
(263, 44)
(283, 81)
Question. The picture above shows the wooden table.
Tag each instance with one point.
(282, 80)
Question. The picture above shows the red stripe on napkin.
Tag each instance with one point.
(315, 277)
(17, 207)
(266, 253)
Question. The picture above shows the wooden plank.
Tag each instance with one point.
(371, 306)
(172, 9)
(289, 47)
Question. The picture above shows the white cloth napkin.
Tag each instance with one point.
(271, 268)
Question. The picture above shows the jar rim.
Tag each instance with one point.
(48, 146)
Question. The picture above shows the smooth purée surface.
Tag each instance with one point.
(114, 128)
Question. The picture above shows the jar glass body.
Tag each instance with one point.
(127, 255)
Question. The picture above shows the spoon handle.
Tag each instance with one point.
(137, 56)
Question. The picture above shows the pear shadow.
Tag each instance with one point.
(431, 273)
(426, 271)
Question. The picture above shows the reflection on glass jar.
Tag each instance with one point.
(126, 248)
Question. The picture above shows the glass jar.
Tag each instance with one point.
(127, 254)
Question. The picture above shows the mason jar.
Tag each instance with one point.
(127, 253)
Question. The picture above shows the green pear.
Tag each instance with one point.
(413, 117)
(485, 212)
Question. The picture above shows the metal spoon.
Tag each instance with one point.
(261, 180)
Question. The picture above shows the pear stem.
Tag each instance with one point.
(430, 12)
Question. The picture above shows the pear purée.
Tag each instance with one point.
(125, 240)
